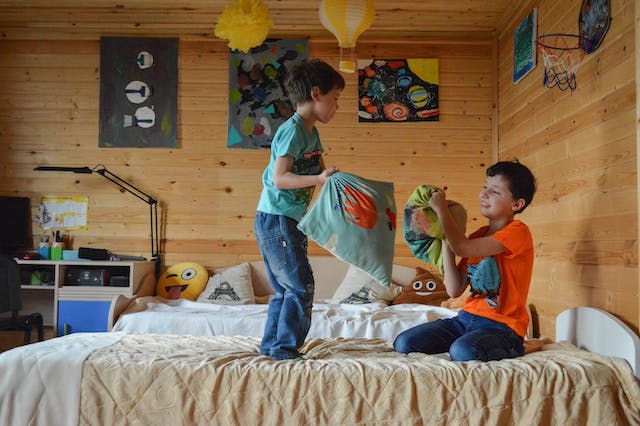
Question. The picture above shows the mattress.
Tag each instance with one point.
(152, 314)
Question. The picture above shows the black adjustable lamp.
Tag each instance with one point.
(152, 202)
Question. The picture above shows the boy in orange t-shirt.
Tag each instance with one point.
(497, 261)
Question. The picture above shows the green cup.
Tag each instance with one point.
(56, 251)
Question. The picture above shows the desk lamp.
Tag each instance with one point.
(152, 202)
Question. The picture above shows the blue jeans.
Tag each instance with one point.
(466, 337)
(284, 250)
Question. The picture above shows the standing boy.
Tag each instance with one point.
(497, 261)
(295, 167)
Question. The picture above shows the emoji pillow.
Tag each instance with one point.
(425, 288)
(182, 280)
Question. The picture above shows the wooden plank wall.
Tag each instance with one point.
(49, 105)
(582, 147)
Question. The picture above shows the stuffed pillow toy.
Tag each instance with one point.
(422, 229)
(355, 219)
(425, 288)
(182, 280)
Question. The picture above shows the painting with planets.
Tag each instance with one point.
(138, 92)
(398, 90)
(258, 101)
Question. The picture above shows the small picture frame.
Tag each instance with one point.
(524, 48)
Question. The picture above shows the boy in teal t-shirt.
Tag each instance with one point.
(295, 168)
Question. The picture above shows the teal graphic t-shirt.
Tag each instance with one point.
(293, 139)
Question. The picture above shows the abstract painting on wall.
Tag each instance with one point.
(138, 92)
(524, 48)
(258, 101)
(396, 90)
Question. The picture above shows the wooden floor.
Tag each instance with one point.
(12, 339)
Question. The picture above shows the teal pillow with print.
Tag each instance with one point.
(355, 219)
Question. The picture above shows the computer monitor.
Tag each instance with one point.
(15, 225)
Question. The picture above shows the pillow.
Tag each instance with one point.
(355, 219)
(359, 287)
(230, 286)
(422, 229)
(425, 288)
(182, 281)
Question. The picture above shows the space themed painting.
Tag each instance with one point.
(398, 90)
(138, 92)
(258, 102)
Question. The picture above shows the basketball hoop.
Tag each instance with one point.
(562, 55)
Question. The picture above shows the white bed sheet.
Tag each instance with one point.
(152, 314)
(40, 383)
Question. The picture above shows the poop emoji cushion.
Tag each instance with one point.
(182, 280)
(425, 288)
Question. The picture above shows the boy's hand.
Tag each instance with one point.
(438, 201)
(327, 172)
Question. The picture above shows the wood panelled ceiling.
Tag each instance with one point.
(395, 19)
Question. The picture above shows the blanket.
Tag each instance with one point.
(118, 378)
(160, 379)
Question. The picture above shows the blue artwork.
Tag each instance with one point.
(524, 51)
(594, 22)
(138, 92)
(258, 101)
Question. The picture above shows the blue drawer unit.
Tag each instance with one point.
(80, 316)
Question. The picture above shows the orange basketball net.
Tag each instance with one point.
(562, 56)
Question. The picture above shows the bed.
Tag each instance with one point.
(134, 378)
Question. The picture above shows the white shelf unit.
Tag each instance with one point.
(77, 305)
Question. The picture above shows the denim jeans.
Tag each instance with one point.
(466, 337)
(284, 251)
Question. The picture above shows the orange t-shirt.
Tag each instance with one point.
(515, 266)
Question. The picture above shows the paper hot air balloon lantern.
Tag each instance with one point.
(347, 19)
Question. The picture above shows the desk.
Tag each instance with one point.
(72, 305)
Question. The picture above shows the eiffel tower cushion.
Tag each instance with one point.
(359, 287)
(355, 219)
(230, 286)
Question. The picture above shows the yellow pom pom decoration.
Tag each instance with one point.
(245, 23)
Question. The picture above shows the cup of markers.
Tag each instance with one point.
(57, 247)
(44, 248)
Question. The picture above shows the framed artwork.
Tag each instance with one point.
(258, 101)
(397, 90)
(524, 48)
(138, 92)
(593, 23)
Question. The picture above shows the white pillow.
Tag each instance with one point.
(230, 286)
(359, 287)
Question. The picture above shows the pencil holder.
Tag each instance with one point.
(56, 251)
(44, 250)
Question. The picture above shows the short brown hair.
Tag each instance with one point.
(306, 75)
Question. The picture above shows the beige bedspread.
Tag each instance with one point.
(187, 380)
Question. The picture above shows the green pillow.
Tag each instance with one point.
(422, 229)
(355, 219)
